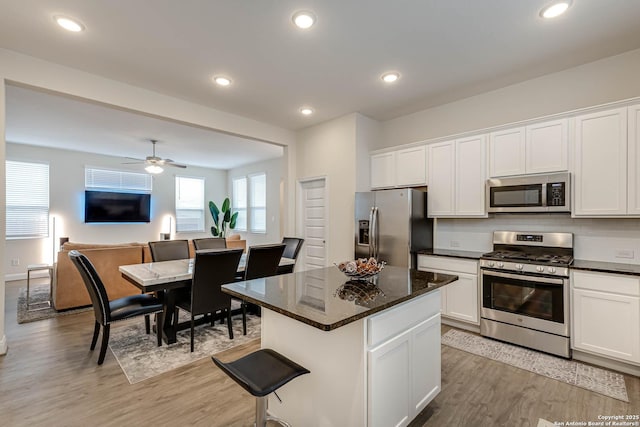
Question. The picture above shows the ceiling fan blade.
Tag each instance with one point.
(168, 162)
(140, 162)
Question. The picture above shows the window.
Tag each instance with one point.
(250, 201)
(114, 180)
(239, 202)
(189, 204)
(27, 198)
(258, 203)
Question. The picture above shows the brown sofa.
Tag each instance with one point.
(69, 290)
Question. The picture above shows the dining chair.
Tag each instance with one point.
(169, 250)
(262, 261)
(107, 312)
(291, 250)
(210, 243)
(211, 270)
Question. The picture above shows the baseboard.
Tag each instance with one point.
(3, 345)
(605, 362)
(460, 324)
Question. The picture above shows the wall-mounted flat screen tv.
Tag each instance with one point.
(106, 206)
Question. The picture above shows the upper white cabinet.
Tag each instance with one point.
(633, 193)
(400, 168)
(457, 175)
(600, 163)
(537, 148)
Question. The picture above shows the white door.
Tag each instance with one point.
(471, 176)
(547, 146)
(411, 166)
(425, 376)
(462, 298)
(507, 152)
(634, 160)
(441, 170)
(313, 225)
(383, 170)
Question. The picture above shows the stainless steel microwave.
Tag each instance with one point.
(530, 193)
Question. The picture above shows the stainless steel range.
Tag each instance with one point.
(525, 290)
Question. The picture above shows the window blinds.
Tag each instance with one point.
(189, 204)
(27, 199)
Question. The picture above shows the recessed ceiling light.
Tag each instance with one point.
(69, 24)
(222, 81)
(304, 19)
(555, 9)
(306, 111)
(390, 77)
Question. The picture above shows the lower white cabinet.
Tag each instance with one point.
(606, 315)
(460, 299)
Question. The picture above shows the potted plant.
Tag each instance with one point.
(222, 218)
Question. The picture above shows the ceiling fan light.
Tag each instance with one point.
(154, 169)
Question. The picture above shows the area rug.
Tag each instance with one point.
(140, 358)
(594, 379)
(39, 294)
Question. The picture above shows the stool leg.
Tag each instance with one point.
(261, 411)
(28, 283)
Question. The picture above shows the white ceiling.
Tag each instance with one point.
(444, 49)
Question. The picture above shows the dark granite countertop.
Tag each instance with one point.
(452, 253)
(606, 267)
(324, 298)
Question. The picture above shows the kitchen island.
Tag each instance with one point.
(373, 348)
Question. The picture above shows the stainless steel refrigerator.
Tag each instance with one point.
(392, 226)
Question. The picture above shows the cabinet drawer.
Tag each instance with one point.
(391, 322)
(426, 262)
(610, 283)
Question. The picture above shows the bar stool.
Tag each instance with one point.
(261, 373)
(38, 267)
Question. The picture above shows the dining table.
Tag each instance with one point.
(165, 278)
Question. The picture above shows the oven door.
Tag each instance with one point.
(534, 302)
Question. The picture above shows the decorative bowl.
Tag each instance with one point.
(358, 291)
(361, 268)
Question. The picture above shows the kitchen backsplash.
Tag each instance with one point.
(606, 239)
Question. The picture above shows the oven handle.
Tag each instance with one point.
(545, 280)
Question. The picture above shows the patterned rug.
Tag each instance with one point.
(140, 358)
(37, 296)
(598, 380)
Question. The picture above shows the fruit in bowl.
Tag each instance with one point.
(361, 268)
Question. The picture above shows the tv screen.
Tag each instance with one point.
(105, 206)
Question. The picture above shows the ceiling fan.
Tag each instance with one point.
(154, 163)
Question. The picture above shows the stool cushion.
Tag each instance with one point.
(262, 372)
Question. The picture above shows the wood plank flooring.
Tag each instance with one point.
(50, 378)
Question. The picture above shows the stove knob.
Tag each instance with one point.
(551, 270)
(500, 264)
(519, 266)
(540, 268)
(491, 263)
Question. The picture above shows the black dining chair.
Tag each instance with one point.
(291, 250)
(210, 243)
(169, 250)
(107, 312)
(262, 261)
(211, 270)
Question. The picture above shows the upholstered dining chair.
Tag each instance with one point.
(210, 243)
(291, 250)
(107, 312)
(169, 250)
(262, 261)
(211, 270)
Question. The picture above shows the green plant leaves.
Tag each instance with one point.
(234, 218)
(220, 224)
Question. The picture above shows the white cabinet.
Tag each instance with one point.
(401, 168)
(537, 148)
(457, 175)
(633, 203)
(460, 299)
(600, 163)
(383, 170)
(403, 360)
(606, 315)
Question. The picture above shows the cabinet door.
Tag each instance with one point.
(462, 298)
(634, 160)
(507, 152)
(383, 170)
(411, 166)
(441, 179)
(425, 364)
(600, 162)
(546, 147)
(470, 176)
(607, 324)
(389, 388)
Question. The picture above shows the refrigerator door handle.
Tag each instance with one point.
(371, 229)
(375, 233)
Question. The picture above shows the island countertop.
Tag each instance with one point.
(326, 299)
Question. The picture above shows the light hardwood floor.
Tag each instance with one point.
(50, 378)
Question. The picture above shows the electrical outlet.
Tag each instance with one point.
(455, 244)
(15, 262)
(625, 253)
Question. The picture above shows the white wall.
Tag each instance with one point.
(368, 132)
(66, 175)
(329, 150)
(607, 80)
(3, 213)
(274, 171)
